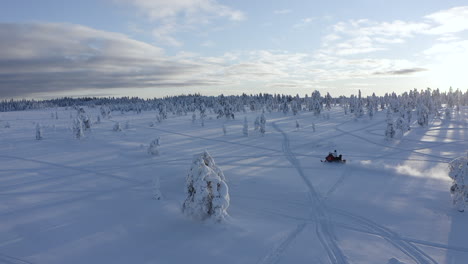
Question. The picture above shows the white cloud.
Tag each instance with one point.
(282, 11)
(304, 22)
(171, 17)
(449, 21)
(45, 58)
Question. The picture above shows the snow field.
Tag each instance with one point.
(89, 200)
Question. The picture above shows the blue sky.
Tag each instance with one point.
(153, 48)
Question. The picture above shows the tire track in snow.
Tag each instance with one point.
(324, 229)
(73, 168)
(275, 255)
(408, 248)
(346, 173)
(12, 260)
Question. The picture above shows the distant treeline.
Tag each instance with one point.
(235, 103)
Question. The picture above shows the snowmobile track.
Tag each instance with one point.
(12, 260)
(324, 229)
(275, 255)
(393, 238)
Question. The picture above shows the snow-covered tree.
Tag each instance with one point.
(105, 112)
(153, 148)
(224, 129)
(38, 132)
(245, 129)
(78, 130)
(206, 190)
(390, 131)
(423, 115)
(297, 125)
(84, 118)
(448, 113)
(262, 124)
(313, 127)
(194, 118)
(117, 127)
(316, 105)
(458, 172)
(257, 123)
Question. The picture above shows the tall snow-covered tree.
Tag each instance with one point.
(78, 129)
(206, 190)
(458, 172)
(262, 124)
(317, 105)
(390, 131)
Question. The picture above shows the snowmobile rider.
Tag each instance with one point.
(333, 156)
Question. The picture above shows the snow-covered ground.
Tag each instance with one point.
(64, 200)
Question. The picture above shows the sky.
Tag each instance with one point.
(156, 48)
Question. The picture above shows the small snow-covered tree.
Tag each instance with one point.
(38, 132)
(257, 123)
(297, 125)
(206, 190)
(313, 127)
(117, 127)
(194, 117)
(458, 172)
(224, 129)
(153, 148)
(245, 129)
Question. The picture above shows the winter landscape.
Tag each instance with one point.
(119, 190)
(233, 132)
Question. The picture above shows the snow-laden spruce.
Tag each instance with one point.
(262, 124)
(206, 190)
(84, 118)
(458, 172)
(153, 148)
(78, 130)
(389, 131)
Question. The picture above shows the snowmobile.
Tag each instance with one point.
(334, 158)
